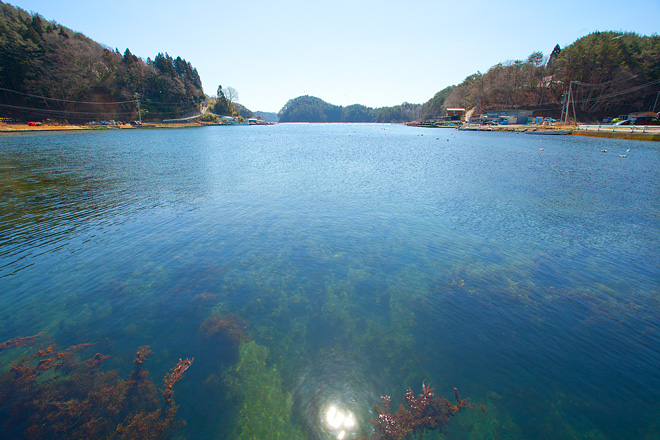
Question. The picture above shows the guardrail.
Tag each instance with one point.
(654, 129)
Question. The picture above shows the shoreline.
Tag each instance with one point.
(630, 136)
(574, 130)
(24, 128)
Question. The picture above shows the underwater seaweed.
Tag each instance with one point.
(175, 375)
(258, 390)
(21, 341)
(417, 415)
(230, 326)
(51, 394)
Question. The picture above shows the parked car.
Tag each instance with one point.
(646, 120)
(642, 120)
(34, 124)
(6, 120)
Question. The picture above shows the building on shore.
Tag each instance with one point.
(510, 116)
(460, 112)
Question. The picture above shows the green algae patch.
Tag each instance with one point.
(265, 408)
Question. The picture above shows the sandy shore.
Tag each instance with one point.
(23, 128)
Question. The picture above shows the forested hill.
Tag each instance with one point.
(50, 71)
(609, 73)
(311, 109)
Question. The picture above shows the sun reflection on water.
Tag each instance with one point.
(340, 421)
(332, 397)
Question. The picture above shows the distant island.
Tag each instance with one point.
(312, 109)
(267, 116)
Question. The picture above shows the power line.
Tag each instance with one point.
(133, 101)
(597, 85)
(163, 104)
(44, 113)
(53, 111)
(613, 95)
(100, 113)
(67, 100)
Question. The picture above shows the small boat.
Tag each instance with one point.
(549, 132)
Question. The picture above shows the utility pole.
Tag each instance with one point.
(568, 104)
(574, 117)
(139, 112)
(568, 101)
(656, 101)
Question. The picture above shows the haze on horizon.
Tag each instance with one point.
(372, 53)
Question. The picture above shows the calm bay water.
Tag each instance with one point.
(363, 260)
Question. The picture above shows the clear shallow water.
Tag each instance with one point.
(364, 258)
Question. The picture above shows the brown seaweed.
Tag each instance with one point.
(23, 341)
(175, 375)
(229, 326)
(416, 415)
(51, 394)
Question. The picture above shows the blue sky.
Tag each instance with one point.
(376, 53)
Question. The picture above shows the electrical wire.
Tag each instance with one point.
(90, 114)
(161, 104)
(613, 95)
(145, 101)
(53, 111)
(67, 100)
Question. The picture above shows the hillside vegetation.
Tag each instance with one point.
(312, 109)
(50, 71)
(609, 73)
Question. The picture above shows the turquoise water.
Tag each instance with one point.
(359, 260)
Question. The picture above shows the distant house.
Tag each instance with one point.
(256, 121)
(229, 120)
(510, 116)
(455, 112)
(548, 81)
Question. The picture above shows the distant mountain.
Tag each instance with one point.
(267, 116)
(312, 109)
(50, 71)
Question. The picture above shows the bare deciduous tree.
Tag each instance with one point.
(231, 94)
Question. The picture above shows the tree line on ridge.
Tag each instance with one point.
(609, 73)
(50, 71)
